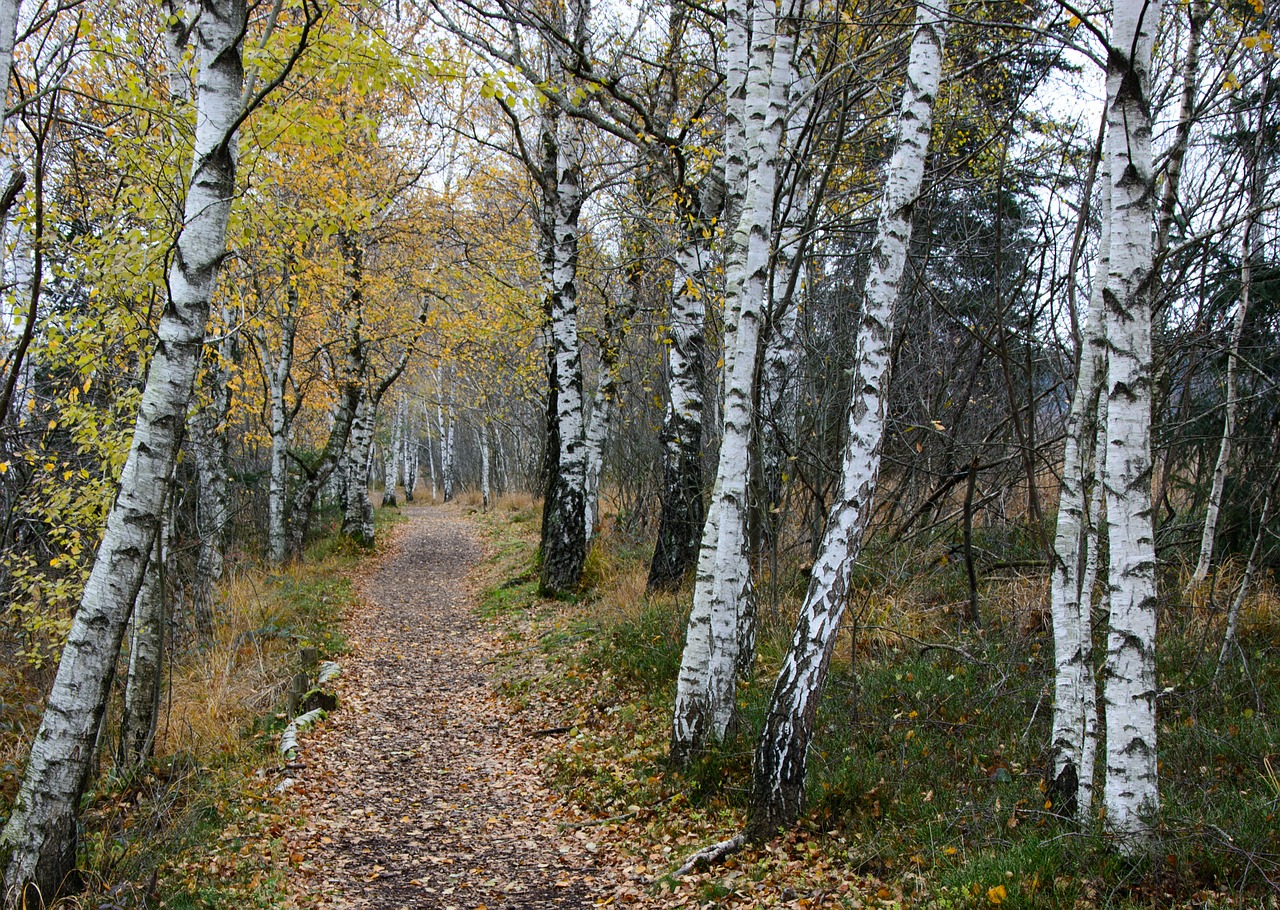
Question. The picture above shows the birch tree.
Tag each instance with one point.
(564, 535)
(1131, 794)
(1253, 197)
(40, 837)
(778, 774)
(681, 518)
(719, 638)
(1075, 710)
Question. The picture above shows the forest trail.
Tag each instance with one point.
(418, 792)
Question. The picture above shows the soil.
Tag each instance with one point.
(419, 791)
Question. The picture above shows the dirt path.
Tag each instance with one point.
(418, 792)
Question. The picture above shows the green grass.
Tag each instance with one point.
(930, 751)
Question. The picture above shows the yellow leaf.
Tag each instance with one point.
(1073, 22)
(997, 894)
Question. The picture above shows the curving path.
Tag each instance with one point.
(419, 792)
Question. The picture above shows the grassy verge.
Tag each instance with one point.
(203, 823)
(926, 775)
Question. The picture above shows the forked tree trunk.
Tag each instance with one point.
(40, 837)
(1075, 707)
(778, 774)
(1131, 792)
(719, 640)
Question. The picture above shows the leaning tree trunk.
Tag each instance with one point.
(719, 640)
(1075, 707)
(1129, 695)
(40, 837)
(778, 775)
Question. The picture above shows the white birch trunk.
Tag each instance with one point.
(1131, 793)
(778, 775)
(40, 837)
(409, 448)
(782, 352)
(681, 521)
(281, 367)
(357, 519)
(1233, 352)
(564, 536)
(720, 636)
(445, 426)
(12, 177)
(1075, 709)
(391, 457)
(485, 491)
(597, 433)
(431, 463)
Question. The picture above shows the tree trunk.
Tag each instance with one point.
(210, 447)
(278, 381)
(431, 463)
(1075, 709)
(40, 837)
(445, 426)
(391, 457)
(564, 540)
(146, 659)
(682, 514)
(778, 775)
(409, 448)
(719, 641)
(1129, 695)
(357, 517)
(485, 497)
(1253, 177)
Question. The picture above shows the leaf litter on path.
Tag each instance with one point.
(418, 791)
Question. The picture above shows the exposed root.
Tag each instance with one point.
(710, 856)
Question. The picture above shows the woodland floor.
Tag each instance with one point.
(420, 790)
